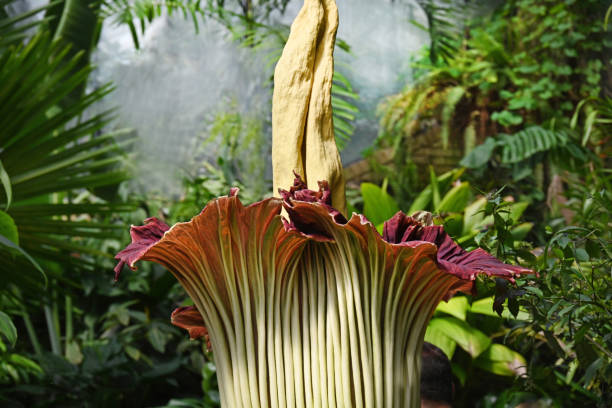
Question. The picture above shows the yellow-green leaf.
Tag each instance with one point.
(500, 360)
(6, 183)
(437, 337)
(467, 337)
(8, 329)
(8, 229)
(457, 306)
(378, 206)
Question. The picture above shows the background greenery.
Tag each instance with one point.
(522, 91)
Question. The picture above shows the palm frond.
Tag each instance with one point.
(143, 12)
(78, 24)
(14, 29)
(52, 150)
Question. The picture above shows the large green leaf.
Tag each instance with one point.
(437, 337)
(8, 329)
(474, 217)
(500, 360)
(423, 202)
(457, 306)
(467, 337)
(8, 229)
(456, 199)
(480, 155)
(378, 205)
(520, 231)
(6, 183)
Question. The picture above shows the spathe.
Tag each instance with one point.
(301, 317)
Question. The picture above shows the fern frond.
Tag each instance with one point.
(343, 108)
(529, 141)
(402, 113)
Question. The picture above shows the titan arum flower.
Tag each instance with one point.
(302, 307)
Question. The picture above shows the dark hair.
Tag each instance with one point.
(436, 375)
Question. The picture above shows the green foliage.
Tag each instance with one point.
(566, 337)
(236, 15)
(117, 339)
(7, 329)
(441, 18)
(15, 29)
(597, 123)
(8, 229)
(529, 62)
(77, 25)
(143, 12)
(241, 146)
(429, 198)
(470, 221)
(447, 332)
(524, 144)
(530, 141)
(571, 302)
(60, 174)
(245, 19)
(378, 206)
(6, 183)
(344, 109)
(459, 332)
(14, 367)
(49, 150)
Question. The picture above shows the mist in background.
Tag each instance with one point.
(170, 90)
(382, 39)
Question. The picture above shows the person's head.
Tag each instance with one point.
(436, 378)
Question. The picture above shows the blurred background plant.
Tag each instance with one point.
(503, 134)
(508, 82)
